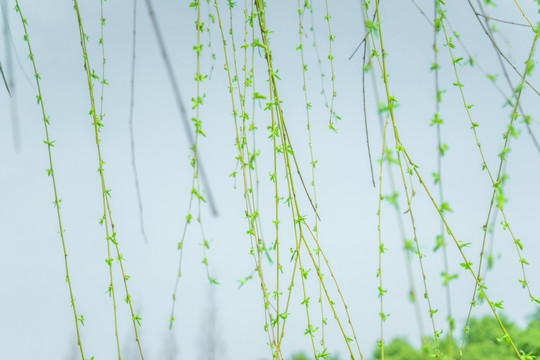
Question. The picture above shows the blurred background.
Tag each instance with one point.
(226, 321)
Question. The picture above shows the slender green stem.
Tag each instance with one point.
(50, 171)
(107, 219)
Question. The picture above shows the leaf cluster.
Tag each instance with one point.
(483, 341)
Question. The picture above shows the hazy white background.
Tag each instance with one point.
(35, 313)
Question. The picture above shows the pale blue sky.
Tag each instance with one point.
(34, 307)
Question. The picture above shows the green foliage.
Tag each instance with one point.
(484, 340)
(399, 349)
(445, 348)
(304, 356)
(300, 356)
(528, 340)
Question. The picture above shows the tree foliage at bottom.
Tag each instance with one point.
(483, 341)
